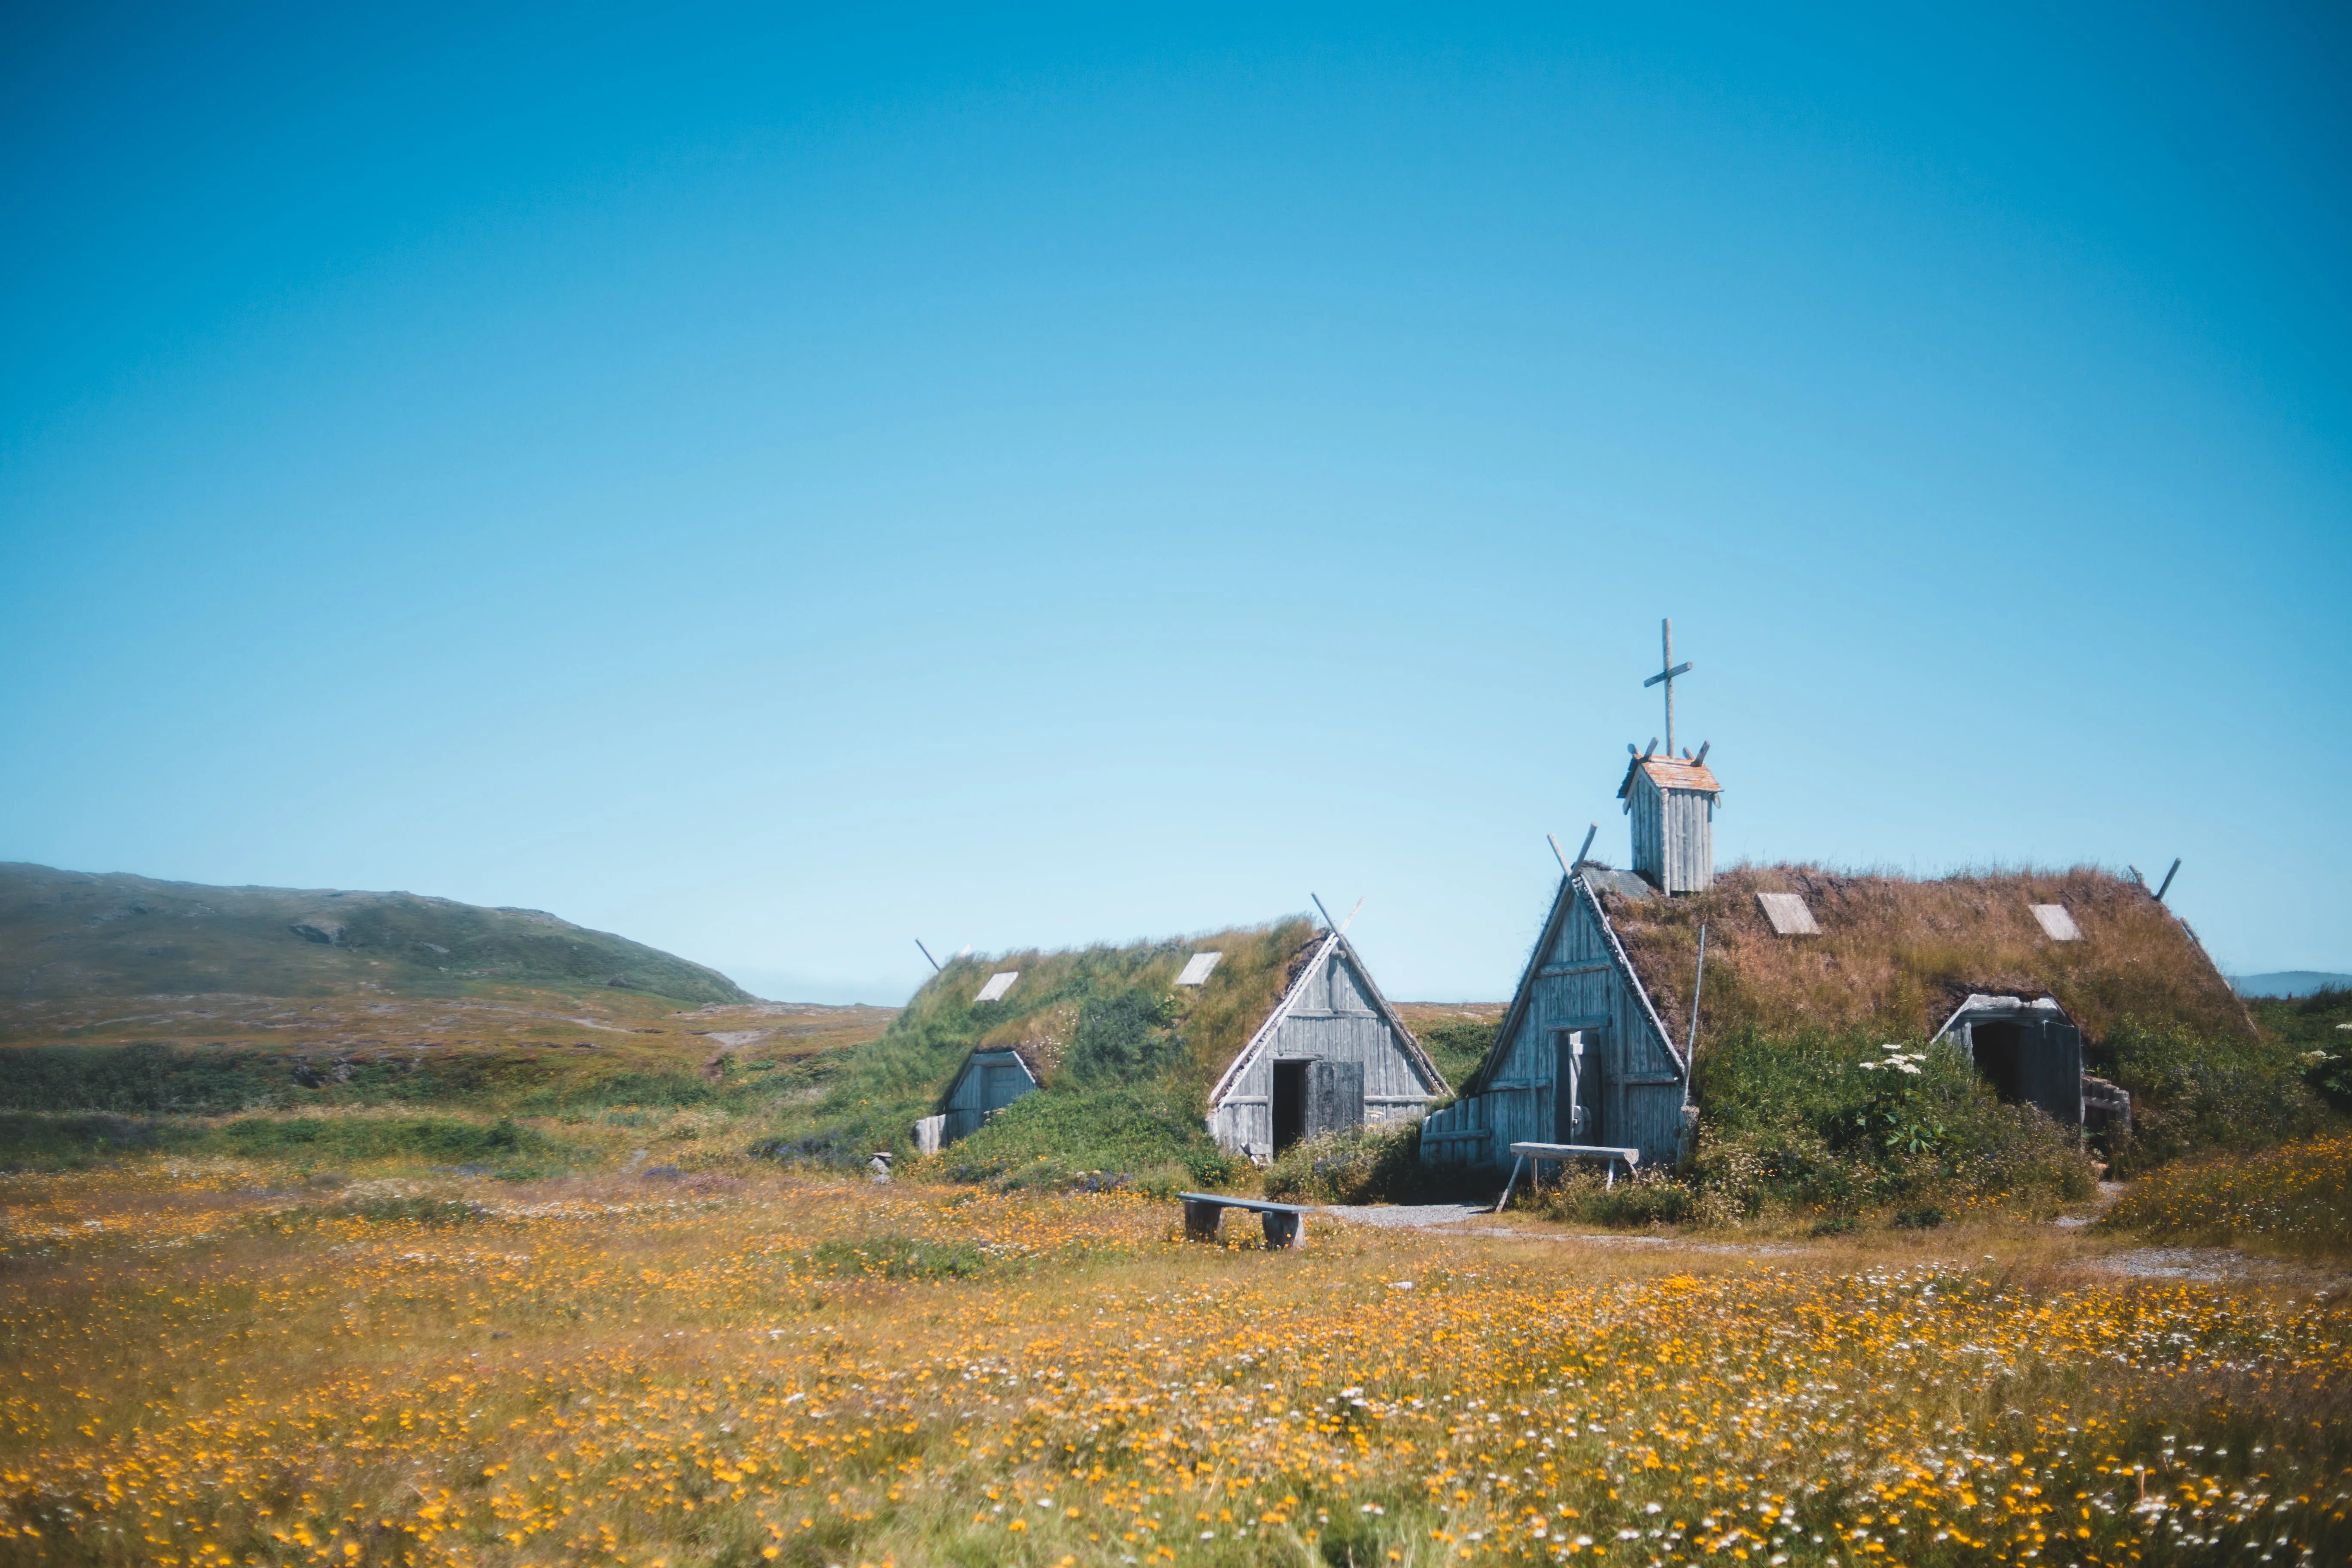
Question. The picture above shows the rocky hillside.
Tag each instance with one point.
(67, 934)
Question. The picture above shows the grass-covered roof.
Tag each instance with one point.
(1125, 1056)
(1897, 954)
(1058, 1013)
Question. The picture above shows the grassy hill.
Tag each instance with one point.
(354, 1025)
(69, 935)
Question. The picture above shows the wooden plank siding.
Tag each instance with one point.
(1635, 1083)
(1674, 836)
(990, 1081)
(1332, 1012)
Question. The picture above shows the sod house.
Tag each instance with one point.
(2020, 972)
(1279, 1031)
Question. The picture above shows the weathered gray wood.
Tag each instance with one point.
(1668, 674)
(987, 1082)
(1227, 1200)
(1563, 1153)
(1335, 1096)
(1332, 1013)
(1631, 1082)
(1284, 1224)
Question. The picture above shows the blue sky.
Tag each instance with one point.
(777, 485)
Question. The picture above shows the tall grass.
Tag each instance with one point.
(2295, 1199)
(814, 1373)
(1895, 955)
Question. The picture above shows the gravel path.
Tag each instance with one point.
(1409, 1217)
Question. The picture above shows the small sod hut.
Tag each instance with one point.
(2019, 971)
(1273, 1033)
(1329, 1054)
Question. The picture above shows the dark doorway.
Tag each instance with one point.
(1999, 1052)
(1576, 1086)
(1289, 1104)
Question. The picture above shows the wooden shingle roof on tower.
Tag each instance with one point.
(1669, 773)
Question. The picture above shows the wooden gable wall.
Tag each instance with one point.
(1634, 1084)
(1334, 1014)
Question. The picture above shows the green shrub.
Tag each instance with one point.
(1055, 1135)
(144, 1079)
(1822, 1122)
(1647, 1198)
(2316, 1033)
(2190, 1094)
(69, 1142)
(1356, 1165)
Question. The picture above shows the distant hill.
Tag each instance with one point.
(66, 934)
(2290, 983)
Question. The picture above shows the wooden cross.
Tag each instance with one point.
(1666, 638)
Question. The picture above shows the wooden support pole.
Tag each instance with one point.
(1517, 1160)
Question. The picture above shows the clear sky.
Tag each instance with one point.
(777, 486)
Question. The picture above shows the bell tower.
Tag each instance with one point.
(1670, 799)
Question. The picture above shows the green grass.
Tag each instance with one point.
(894, 1257)
(147, 1078)
(1458, 1049)
(507, 1148)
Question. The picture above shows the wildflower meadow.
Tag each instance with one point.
(208, 1362)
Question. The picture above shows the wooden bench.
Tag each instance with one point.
(1285, 1223)
(1539, 1152)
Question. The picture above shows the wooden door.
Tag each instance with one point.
(1335, 1096)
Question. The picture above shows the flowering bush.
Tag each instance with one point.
(1823, 1125)
(1897, 1115)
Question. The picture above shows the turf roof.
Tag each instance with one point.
(1039, 1018)
(1895, 955)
